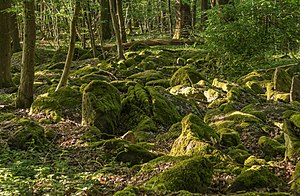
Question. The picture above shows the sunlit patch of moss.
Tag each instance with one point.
(186, 75)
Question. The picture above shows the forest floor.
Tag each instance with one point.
(181, 109)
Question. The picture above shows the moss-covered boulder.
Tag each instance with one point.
(282, 80)
(229, 137)
(147, 76)
(186, 75)
(239, 155)
(224, 85)
(295, 91)
(29, 135)
(66, 101)
(164, 111)
(255, 87)
(124, 151)
(238, 116)
(47, 105)
(255, 177)
(252, 160)
(101, 106)
(192, 139)
(193, 175)
(271, 147)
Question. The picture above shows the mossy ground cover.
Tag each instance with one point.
(220, 107)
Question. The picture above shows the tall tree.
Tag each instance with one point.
(16, 46)
(25, 92)
(183, 18)
(5, 54)
(115, 22)
(67, 67)
(121, 20)
(106, 26)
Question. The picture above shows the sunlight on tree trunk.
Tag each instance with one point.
(114, 18)
(25, 92)
(67, 67)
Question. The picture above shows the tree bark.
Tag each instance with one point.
(113, 11)
(170, 18)
(16, 46)
(121, 20)
(5, 48)
(106, 28)
(67, 67)
(25, 92)
(179, 20)
(91, 31)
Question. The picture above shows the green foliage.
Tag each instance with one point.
(253, 27)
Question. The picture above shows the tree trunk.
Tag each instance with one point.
(179, 20)
(5, 54)
(65, 74)
(91, 32)
(204, 7)
(106, 29)
(113, 11)
(25, 92)
(16, 46)
(170, 18)
(121, 20)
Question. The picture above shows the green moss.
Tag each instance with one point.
(154, 163)
(282, 80)
(296, 184)
(193, 175)
(49, 106)
(255, 177)
(6, 116)
(250, 109)
(225, 86)
(101, 106)
(229, 137)
(123, 85)
(147, 76)
(292, 141)
(253, 76)
(163, 110)
(173, 133)
(295, 119)
(238, 116)
(86, 70)
(123, 151)
(238, 155)
(160, 82)
(255, 87)
(138, 46)
(186, 75)
(252, 160)
(29, 135)
(285, 97)
(59, 65)
(128, 191)
(93, 134)
(270, 147)
(191, 140)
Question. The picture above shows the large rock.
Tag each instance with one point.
(296, 180)
(192, 140)
(193, 175)
(186, 75)
(292, 138)
(282, 80)
(295, 89)
(254, 178)
(101, 106)
(29, 135)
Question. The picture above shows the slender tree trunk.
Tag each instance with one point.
(5, 48)
(16, 46)
(204, 7)
(91, 32)
(67, 67)
(25, 92)
(170, 18)
(113, 11)
(106, 29)
(121, 20)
